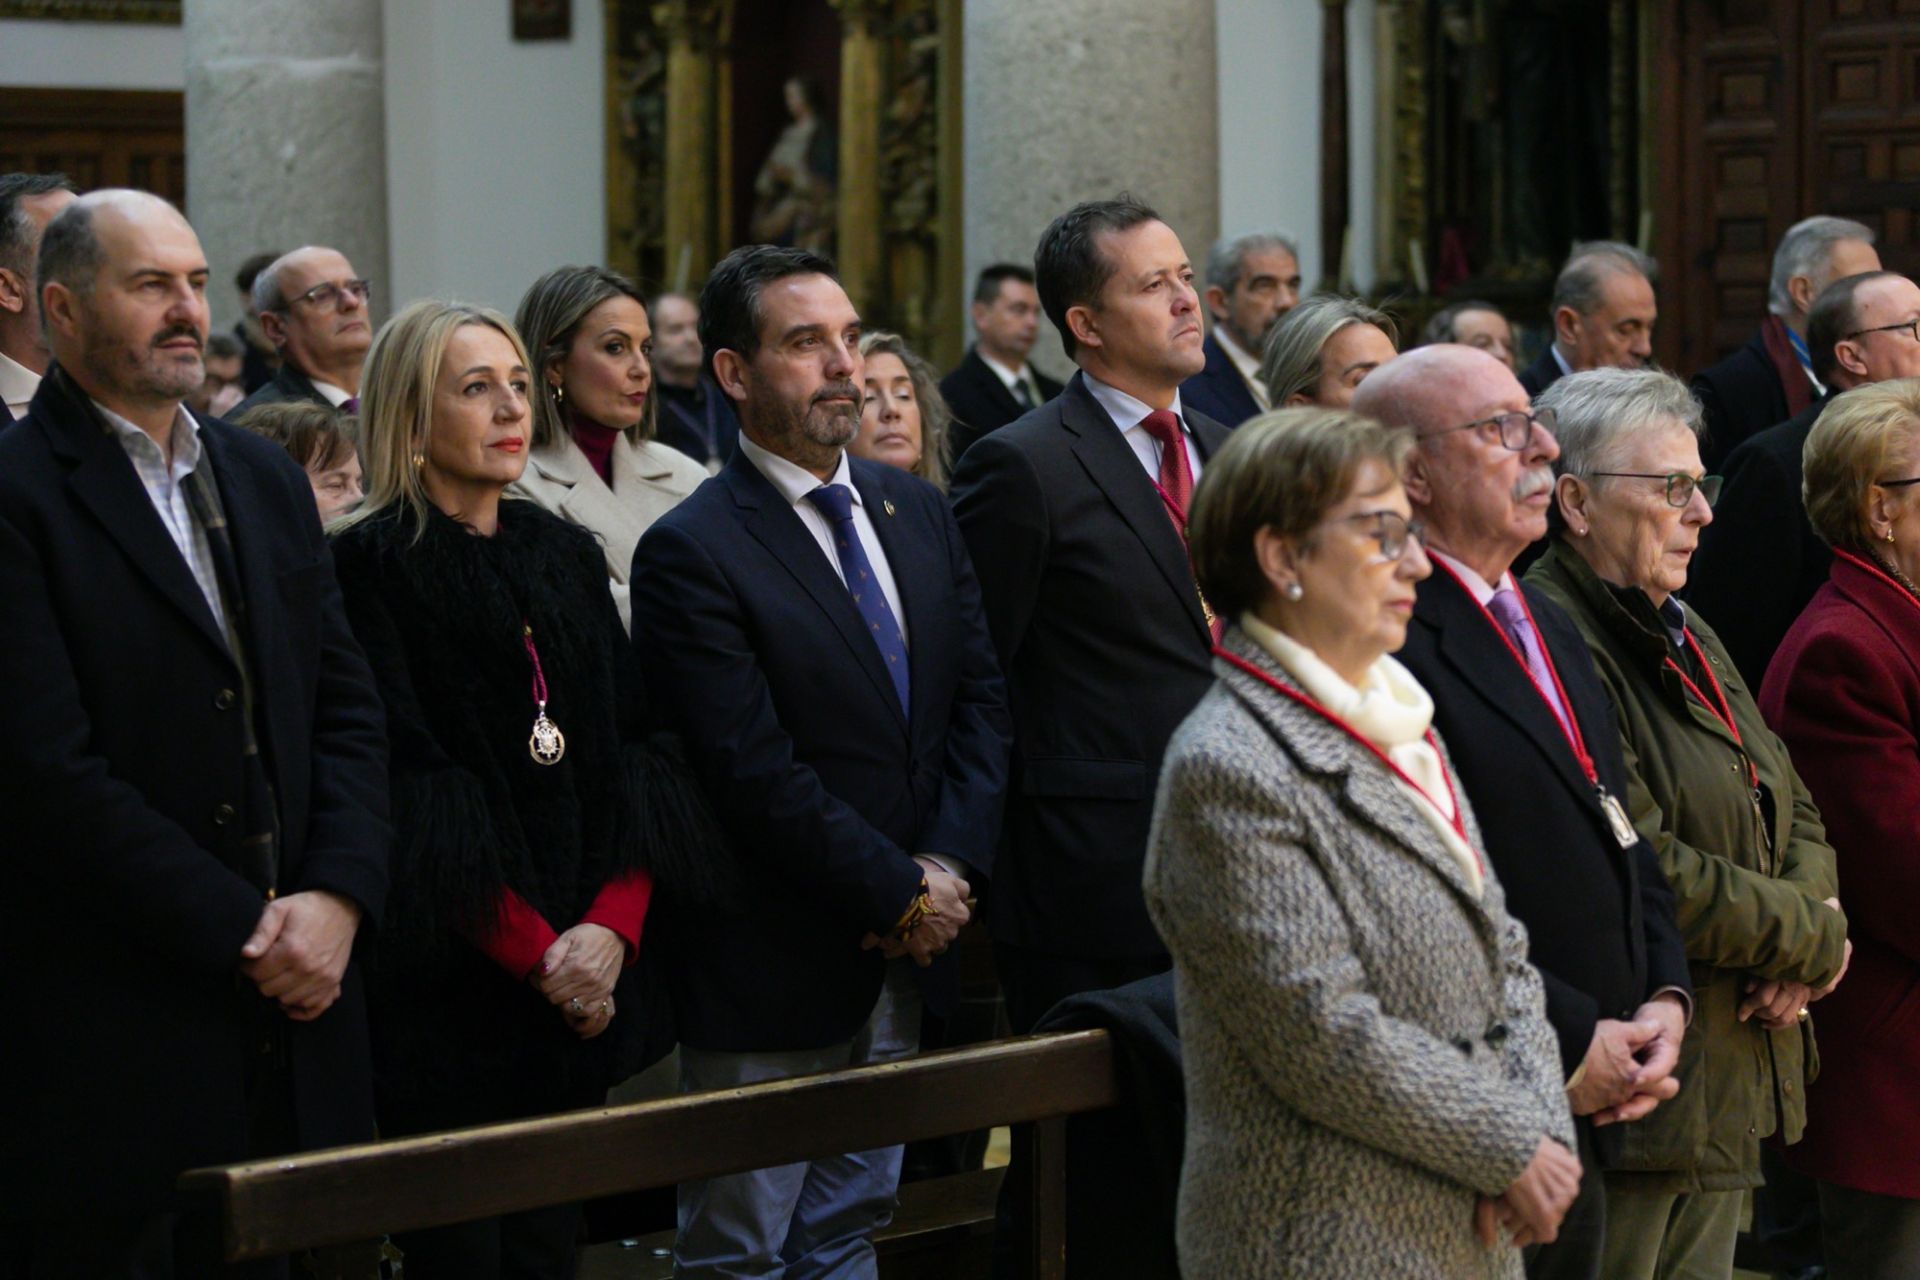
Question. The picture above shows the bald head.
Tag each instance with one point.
(313, 306)
(1482, 498)
(123, 292)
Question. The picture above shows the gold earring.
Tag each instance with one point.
(559, 395)
(1889, 533)
(419, 461)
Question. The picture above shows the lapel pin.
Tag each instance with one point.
(887, 504)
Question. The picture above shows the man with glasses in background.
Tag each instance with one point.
(1531, 733)
(1760, 561)
(314, 308)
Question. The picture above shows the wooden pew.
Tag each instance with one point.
(345, 1194)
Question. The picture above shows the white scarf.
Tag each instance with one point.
(1390, 710)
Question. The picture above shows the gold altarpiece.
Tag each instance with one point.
(682, 91)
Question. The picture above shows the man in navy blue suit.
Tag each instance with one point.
(809, 623)
(1252, 281)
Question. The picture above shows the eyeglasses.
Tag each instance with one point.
(1897, 484)
(1516, 427)
(1911, 326)
(1392, 531)
(328, 296)
(1680, 485)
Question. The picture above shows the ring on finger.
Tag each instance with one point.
(575, 1005)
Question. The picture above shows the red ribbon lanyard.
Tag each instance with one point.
(1569, 727)
(1719, 709)
(1174, 513)
(1874, 569)
(1458, 821)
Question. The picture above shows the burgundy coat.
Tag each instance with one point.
(1843, 691)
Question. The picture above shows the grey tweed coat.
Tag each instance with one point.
(1366, 1046)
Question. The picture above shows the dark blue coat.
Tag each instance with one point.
(129, 1030)
(753, 652)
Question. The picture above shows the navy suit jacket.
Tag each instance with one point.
(754, 653)
(1739, 398)
(121, 761)
(1099, 627)
(1218, 391)
(1542, 373)
(1600, 920)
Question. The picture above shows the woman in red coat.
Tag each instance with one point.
(1844, 692)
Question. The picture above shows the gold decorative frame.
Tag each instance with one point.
(152, 12)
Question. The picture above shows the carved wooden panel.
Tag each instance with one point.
(97, 137)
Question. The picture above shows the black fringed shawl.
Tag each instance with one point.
(440, 616)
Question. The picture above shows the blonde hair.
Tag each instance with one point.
(935, 416)
(396, 399)
(1285, 470)
(1867, 435)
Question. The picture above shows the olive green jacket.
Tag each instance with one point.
(1748, 880)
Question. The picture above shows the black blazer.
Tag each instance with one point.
(681, 417)
(1542, 373)
(1218, 391)
(120, 766)
(287, 384)
(1760, 561)
(1099, 627)
(1600, 922)
(1741, 396)
(981, 402)
(752, 650)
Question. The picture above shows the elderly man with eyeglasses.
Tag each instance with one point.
(314, 309)
(1522, 709)
(1760, 561)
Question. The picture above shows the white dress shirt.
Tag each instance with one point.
(794, 482)
(1248, 366)
(1566, 370)
(336, 396)
(166, 488)
(17, 385)
(1014, 381)
(1128, 413)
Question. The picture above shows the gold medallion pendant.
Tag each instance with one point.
(547, 744)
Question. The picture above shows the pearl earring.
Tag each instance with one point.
(1293, 591)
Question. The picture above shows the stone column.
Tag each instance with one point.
(285, 150)
(690, 161)
(1072, 100)
(857, 240)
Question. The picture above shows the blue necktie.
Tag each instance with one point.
(835, 502)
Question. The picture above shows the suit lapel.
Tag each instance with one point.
(591, 505)
(775, 526)
(104, 480)
(995, 390)
(1113, 466)
(1480, 658)
(1367, 789)
(245, 508)
(907, 558)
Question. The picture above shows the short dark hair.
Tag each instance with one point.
(224, 346)
(70, 251)
(16, 233)
(1581, 283)
(987, 288)
(243, 278)
(730, 299)
(1440, 326)
(1069, 268)
(1832, 317)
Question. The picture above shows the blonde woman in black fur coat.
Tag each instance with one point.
(532, 813)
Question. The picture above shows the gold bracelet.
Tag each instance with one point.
(919, 909)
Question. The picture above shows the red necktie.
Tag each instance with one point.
(1176, 486)
(1176, 476)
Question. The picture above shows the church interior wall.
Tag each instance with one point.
(45, 54)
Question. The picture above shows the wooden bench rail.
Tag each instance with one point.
(343, 1194)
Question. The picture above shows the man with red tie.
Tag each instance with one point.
(1076, 518)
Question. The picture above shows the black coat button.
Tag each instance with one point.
(1496, 1033)
(1464, 1045)
(222, 815)
(224, 700)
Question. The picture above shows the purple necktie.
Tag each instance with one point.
(350, 405)
(1507, 608)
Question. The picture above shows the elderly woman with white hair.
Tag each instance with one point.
(1713, 790)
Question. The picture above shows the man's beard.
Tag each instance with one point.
(146, 374)
(824, 422)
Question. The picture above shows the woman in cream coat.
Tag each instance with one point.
(1372, 1086)
(594, 461)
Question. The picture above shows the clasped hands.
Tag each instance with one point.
(1779, 1004)
(933, 933)
(577, 974)
(298, 952)
(1628, 1069)
(1531, 1208)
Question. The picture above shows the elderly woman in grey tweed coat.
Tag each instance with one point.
(1372, 1086)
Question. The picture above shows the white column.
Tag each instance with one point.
(285, 150)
